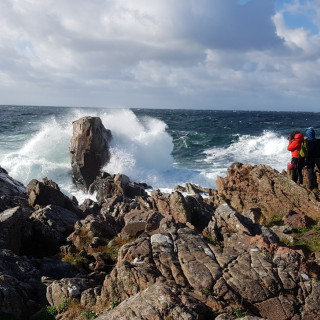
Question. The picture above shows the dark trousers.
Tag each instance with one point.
(311, 162)
(297, 171)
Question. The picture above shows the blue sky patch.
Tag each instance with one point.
(299, 19)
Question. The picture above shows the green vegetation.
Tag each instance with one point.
(75, 260)
(114, 303)
(88, 314)
(301, 230)
(207, 292)
(112, 250)
(275, 221)
(239, 313)
(47, 313)
(112, 253)
(210, 240)
(50, 312)
(286, 242)
(307, 238)
(63, 306)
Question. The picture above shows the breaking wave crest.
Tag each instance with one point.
(141, 148)
(268, 149)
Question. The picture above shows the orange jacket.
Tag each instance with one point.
(295, 145)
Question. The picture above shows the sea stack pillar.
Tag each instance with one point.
(89, 150)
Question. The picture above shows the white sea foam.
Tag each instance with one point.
(44, 154)
(268, 149)
(141, 148)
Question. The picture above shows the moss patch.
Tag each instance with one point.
(274, 221)
(75, 260)
(307, 239)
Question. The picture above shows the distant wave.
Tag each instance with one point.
(268, 149)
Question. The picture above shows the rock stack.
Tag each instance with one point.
(89, 150)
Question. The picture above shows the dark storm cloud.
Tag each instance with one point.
(229, 24)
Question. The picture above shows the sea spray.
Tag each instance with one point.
(141, 148)
(44, 154)
(268, 149)
(160, 147)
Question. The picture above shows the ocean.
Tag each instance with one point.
(161, 147)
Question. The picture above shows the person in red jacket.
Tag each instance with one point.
(294, 146)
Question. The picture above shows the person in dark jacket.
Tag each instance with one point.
(313, 156)
(294, 146)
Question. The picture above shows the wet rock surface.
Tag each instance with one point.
(106, 186)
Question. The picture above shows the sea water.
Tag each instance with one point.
(161, 147)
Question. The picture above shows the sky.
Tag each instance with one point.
(199, 54)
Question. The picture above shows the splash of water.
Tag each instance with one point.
(141, 148)
(268, 149)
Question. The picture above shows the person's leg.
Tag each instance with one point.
(300, 167)
(294, 174)
(310, 173)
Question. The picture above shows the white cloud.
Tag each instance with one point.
(148, 53)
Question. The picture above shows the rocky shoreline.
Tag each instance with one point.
(135, 255)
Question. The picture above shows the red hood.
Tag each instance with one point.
(299, 137)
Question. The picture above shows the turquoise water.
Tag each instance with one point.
(161, 147)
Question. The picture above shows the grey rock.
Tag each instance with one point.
(48, 192)
(89, 150)
(47, 230)
(12, 222)
(158, 302)
(21, 290)
(254, 214)
(12, 192)
(10, 186)
(68, 289)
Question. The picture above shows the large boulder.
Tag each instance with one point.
(247, 186)
(137, 222)
(12, 192)
(46, 230)
(8, 185)
(158, 302)
(21, 289)
(89, 150)
(173, 204)
(68, 289)
(12, 222)
(47, 192)
(107, 186)
(93, 231)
